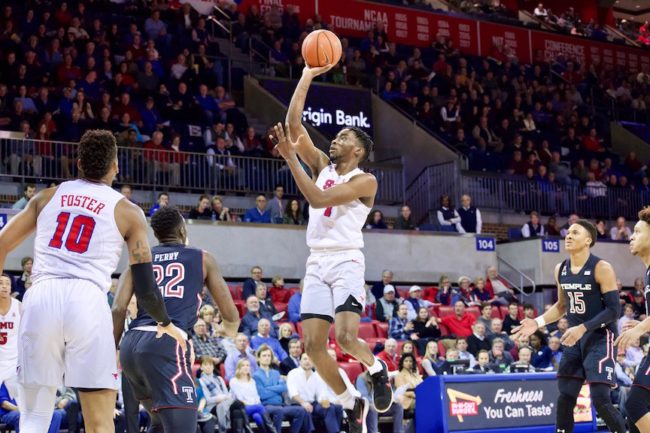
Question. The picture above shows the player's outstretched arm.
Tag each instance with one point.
(553, 314)
(307, 151)
(221, 294)
(133, 225)
(22, 225)
(120, 305)
(360, 186)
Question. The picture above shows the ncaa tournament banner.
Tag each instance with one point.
(329, 108)
(418, 27)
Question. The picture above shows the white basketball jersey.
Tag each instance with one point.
(9, 336)
(77, 236)
(338, 227)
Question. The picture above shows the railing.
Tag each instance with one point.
(161, 169)
(522, 277)
(423, 194)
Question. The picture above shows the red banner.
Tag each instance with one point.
(499, 38)
(419, 28)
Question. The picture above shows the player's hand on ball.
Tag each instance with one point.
(285, 146)
(572, 335)
(173, 332)
(526, 329)
(315, 71)
(628, 337)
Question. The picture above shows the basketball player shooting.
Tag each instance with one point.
(66, 329)
(638, 401)
(157, 371)
(588, 294)
(340, 197)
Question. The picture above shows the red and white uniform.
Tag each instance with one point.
(9, 324)
(335, 269)
(67, 326)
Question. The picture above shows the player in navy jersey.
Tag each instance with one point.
(159, 371)
(638, 401)
(588, 294)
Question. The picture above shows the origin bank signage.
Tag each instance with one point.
(329, 108)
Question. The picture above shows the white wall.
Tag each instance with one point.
(528, 256)
(281, 250)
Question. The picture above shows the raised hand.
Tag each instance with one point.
(526, 329)
(285, 146)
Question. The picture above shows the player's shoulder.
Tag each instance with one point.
(602, 266)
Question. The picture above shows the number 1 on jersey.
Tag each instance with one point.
(79, 235)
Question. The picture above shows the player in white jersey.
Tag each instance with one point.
(66, 331)
(340, 197)
(9, 322)
(637, 405)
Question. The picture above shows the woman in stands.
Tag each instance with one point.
(376, 220)
(293, 213)
(431, 360)
(407, 379)
(480, 294)
(286, 334)
(408, 348)
(243, 388)
(425, 327)
(202, 210)
(219, 211)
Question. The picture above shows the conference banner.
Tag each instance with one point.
(417, 27)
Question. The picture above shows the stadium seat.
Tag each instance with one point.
(332, 334)
(403, 291)
(444, 331)
(352, 369)
(299, 328)
(241, 307)
(367, 330)
(475, 311)
(381, 329)
(195, 368)
(514, 233)
(445, 310)
(441, 349)
(280, 306)
(496, 313)
(429, 293)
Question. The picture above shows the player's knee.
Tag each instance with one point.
(636, 408)
(566, 400)
(600, 395)
(345, 339)
(315, 348)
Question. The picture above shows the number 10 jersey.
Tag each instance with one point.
(77, 236)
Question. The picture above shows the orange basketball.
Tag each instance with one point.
(321, 48)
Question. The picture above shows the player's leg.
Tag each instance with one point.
(347, 278)
(178, 420)
(569, 391)
(638, 410)
(315, 331)
(90, 362)
(600, 396)
(40, 355)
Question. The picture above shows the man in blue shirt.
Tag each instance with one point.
(258, 214)
(241, 351)
(10, 415)
(163, 200)
(293, 308)
(252, 317)
(263, 338)
(271, 387)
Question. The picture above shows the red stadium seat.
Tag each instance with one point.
(195, 368)
(475, 311)
(443, 330)
(241, 307)
(372, 342)
(496, 313)
(352, 369)
(403, 291)
(504, 311)
(299, 329)
(381, 329)
(445, 310)
(281, 306)
(429, 293)
(222, 370)
(332, 334)
(367, 330)
(441, 349)
(236, 292)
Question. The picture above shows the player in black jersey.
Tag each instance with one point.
(588, 295)
(638, 401)
(159, 372)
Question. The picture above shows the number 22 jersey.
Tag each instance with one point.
(77, 236)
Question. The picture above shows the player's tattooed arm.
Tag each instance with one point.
(221, 294)
(120, 305)
(133, 226)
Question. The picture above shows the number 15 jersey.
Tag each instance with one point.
(583, 299)
(77, 236)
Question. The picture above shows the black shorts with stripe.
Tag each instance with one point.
(592, 358)
(642, 377)
(157, 370)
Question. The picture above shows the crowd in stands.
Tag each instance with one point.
(635, 31)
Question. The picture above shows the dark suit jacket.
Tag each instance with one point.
(287, 365)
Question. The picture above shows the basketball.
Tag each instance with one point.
(321, 48)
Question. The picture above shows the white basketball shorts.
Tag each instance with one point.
(66, 336)
(334, 282)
